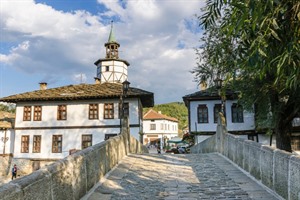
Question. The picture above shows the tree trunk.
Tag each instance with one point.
(283, 139)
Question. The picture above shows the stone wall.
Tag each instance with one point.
(5, 161)
(72, 177)
(278, 170)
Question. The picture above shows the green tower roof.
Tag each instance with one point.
(112, 37)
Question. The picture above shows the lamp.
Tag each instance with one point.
(218, 83)
(125, 87)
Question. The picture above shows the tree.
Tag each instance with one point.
(8, 108)
(254, 46)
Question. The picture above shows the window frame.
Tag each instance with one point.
(55, 138)
(202, 114)
(25, 144)
(61, 112)
(85, 140)
(237, 113)
(37, 113)
(152, 127)
(27, 113)
(93, 111)
(108, 111)
(36, 144)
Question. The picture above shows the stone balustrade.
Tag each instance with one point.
(278, 170)
(74, 176)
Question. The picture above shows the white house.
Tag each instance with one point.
(51, 122)
(159, 127)
(204, 106)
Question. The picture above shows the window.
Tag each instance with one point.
(202, 114)
(56, 143)
(61, 112)
(161, 126)
(37, 144)
(107, 68)
(25, 144)
(27, 113)
(93, 111)
(152, 126)
(107, 136)
(87, 141)
(217, 109)
(237, 113)
(108, 111)
(37, 116)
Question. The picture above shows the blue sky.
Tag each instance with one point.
(58, 41)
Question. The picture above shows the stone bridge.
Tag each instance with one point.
(221, 167)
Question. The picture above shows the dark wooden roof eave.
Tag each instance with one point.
(109, 59)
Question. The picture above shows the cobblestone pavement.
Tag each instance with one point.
(167, 176)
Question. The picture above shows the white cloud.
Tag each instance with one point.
(61, 45)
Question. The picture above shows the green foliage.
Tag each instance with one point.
(8, 108)
(176, 109)
(254, 46)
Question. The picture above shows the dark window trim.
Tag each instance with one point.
(93, 111)
(85, 140)
(108, 111)
(54, 147)
(35, 142)
(37, 113)
(23, 150)
(62, 112)
(237, 113)
(27, 113)
(203, 119)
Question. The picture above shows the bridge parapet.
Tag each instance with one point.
(278, 170)
(74, 176)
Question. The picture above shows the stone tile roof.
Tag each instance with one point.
(153, 115)
(208, 94)
(82, 92)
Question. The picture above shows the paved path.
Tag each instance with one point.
(184, 176)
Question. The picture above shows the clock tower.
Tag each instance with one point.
(112, 69)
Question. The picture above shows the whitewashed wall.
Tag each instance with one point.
(248, 124)
(169, 130)
(117, 71)
(77, 115)
(9, 146)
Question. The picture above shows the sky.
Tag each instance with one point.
(58, 41)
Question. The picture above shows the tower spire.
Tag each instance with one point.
(111, 37)
(112, 45)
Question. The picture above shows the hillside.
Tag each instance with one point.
(176, 110)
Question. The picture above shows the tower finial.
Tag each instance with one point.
(112, 35)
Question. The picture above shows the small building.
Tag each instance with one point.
(53, 122)
(7, 121)
(204, 106)
(159, 127)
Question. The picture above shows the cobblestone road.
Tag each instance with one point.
(167, 176)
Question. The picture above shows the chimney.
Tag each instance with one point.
(203, 86)
(159, 112)
(97, 80)
(43, 86)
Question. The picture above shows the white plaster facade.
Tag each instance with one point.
(159, 127)
(112, 71)
(247, 124)
(72, 129)
(9, 144)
